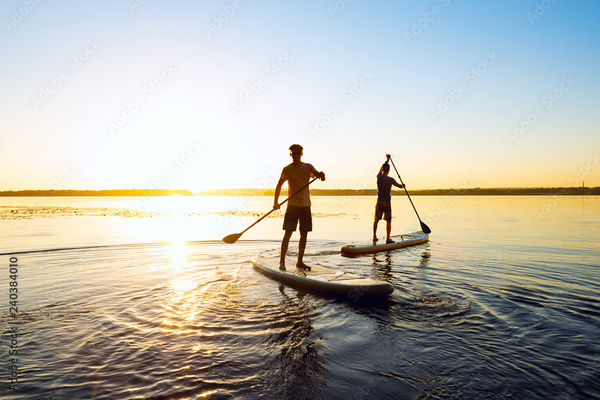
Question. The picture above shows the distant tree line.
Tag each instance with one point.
(560, 191)
(567, 191)
(89, 193)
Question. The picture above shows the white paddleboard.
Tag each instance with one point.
(400, 241)
(321, 279)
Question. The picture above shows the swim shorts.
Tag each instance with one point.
(293, 214)
(383, 209)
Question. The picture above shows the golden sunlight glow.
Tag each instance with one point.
(178, 254)
(181, 284)
(174, 205)
(184, 285)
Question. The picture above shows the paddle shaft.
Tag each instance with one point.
(411, 203)
(280, 204)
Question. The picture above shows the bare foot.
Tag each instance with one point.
(301, 265)
(281, 266)
(389, 241)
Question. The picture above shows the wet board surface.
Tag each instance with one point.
(319, 278)
(405, 240)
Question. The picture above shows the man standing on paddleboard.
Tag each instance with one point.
(383, 208)
(297, 174)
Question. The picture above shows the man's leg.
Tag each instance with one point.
(301, 248)
(388, 219)
(284, 247)
(305, 227)
(375, 230)
(378, 215)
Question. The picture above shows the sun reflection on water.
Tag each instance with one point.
(181, 311)
(209, 392)
(184, 285)
(178, 254)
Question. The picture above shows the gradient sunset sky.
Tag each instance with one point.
(206, 95)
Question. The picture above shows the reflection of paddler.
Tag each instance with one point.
(297, 174)
(383, 208)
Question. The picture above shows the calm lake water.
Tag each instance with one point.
(138, 298)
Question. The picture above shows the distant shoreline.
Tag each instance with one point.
(556, 191)
(95, 193)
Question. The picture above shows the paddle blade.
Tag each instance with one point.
(232, 238)
(424, 228)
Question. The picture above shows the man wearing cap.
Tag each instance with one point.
(297, 174)
(383, 208)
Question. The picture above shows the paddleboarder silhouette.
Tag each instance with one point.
(298, 175)
(383, 207)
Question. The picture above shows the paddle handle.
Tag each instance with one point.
(280, 204)
(399, 177)
(423, 226)
(298, 191)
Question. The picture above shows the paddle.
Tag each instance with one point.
(424, 227)
(235, 236)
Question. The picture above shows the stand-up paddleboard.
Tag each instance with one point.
(321, 279)
(409, 239)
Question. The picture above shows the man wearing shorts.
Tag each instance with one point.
(383, 208)
(297, 174)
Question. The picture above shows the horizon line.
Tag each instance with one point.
(270, 191)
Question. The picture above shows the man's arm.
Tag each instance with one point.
(399, 185)
(317, 174)
(277, 193)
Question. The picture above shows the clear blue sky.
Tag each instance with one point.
(207, 95)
